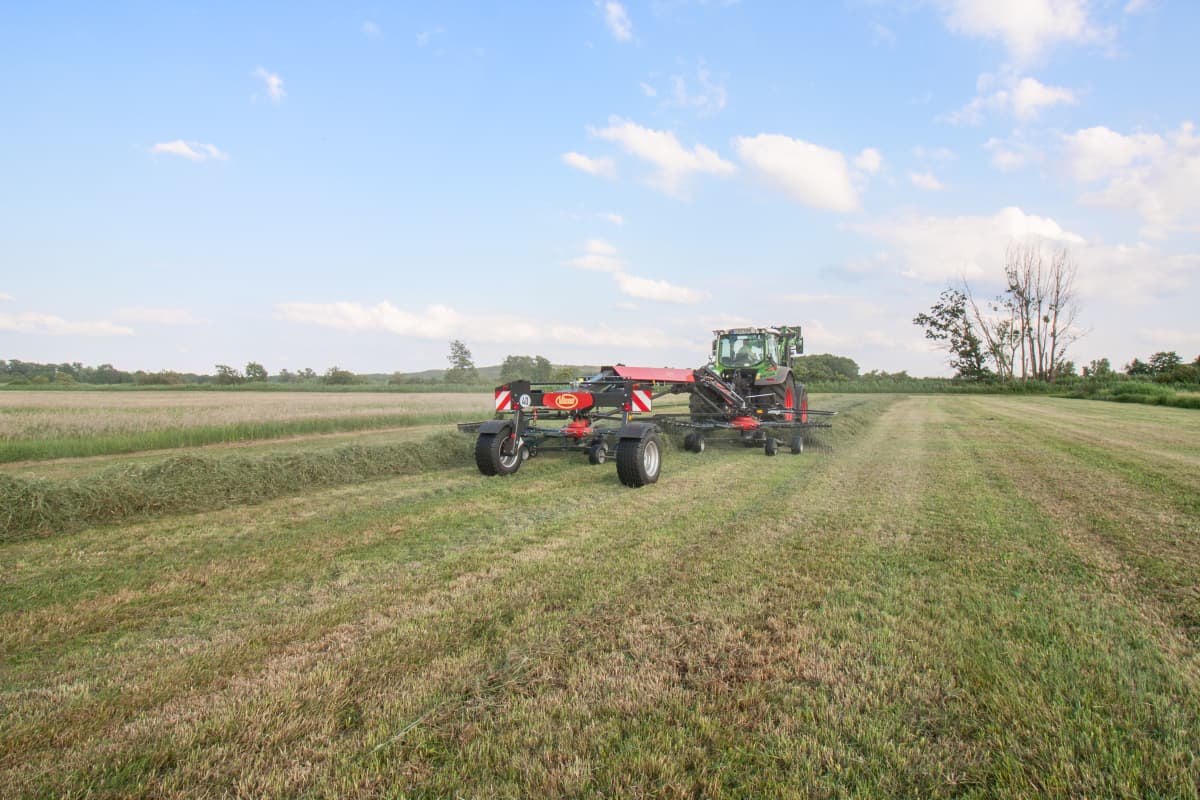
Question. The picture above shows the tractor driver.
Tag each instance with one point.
(748, 353)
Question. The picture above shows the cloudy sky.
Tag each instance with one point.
(310, 184)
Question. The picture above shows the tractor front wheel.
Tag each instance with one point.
(639, 461)
(499, 453)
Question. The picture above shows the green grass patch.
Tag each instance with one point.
(32, 507)
(43, 448)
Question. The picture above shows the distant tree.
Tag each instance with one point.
(542, 369)
(286, 376)
(306, 374)
(1098, 368)
(227, 375)
(1164, 361)
(1137, 369)
(339, 377)
(256, 373)
(516, 368)
(462, 368)
(1181, 373)
(948, 322)
(825, 367)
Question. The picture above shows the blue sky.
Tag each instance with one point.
(310, 184)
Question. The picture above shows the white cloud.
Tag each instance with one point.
(1136, 6)
(926, 181)
(439, 322)
(1022, 97)
(648, 90)
(1027, 28)
(1136, 273)
(1168, 339)
(934, 153)
(810, 174)
(1099, 152)
(674, 162)
(193, 151)
(613, 217)
(648, 289)
(1006, 155)
(425, 36)
(601, 256)
(5, 296)
(1030, 94)
(709, 98)
(618, 22)
(947, 248)
(274, 84)
(159, 316)
(37, 323)
(604, 167)
(372, 29)
(869, 160)
(881, 34)
(1156, 176)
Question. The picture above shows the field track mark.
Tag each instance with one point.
(1173, 436)
(1122, 530)
(554, 481)
(396, 432)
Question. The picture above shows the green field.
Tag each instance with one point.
(959, 596)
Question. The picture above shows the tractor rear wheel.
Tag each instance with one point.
(499, 453)
(639, 461)
(788, 401)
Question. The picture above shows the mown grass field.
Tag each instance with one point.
(38, 425)
(967, 596)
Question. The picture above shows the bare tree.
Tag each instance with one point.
(999, 328)
(1043, 307)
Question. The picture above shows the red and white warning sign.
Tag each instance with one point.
(503, 399)
(642, 400)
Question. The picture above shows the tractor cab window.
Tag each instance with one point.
(741, 349)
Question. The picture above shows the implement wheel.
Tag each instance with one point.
(597, 454)
(498, 453)
(694, 442)
(639, 461)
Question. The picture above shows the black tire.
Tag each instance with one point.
(771, 446)
(597, 454)
(797, 444)
(694, 442)
(494, 453)
(639, 461)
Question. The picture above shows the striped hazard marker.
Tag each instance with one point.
(503, 399)
(642, 400)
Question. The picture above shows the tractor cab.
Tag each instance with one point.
(759, 349)
(741, 349)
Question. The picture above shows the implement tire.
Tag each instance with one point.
(497, 454)
(639, 461)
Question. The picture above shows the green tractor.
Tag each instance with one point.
(750, 375)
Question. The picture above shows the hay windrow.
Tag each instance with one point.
(33, 507)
